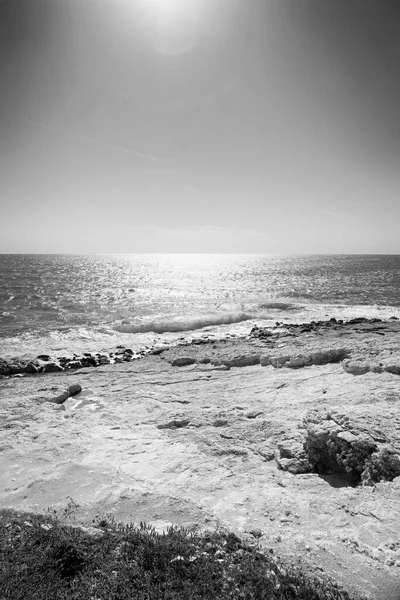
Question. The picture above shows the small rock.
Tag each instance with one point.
(256, 532)
(220, 423)
(252, 414)
(59, 399)
(183, 361)
(74, 389)
(175, 424)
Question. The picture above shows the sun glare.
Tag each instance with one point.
(174, 26)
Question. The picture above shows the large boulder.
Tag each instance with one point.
(364, 448)
(290, 456)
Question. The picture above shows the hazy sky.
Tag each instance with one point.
(267, 126)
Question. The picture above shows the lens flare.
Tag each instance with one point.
(174, 26)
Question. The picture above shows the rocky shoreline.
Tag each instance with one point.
(292, 431)
(270, 336)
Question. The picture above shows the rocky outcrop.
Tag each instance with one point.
(241, 360)
(357, 325)
(360, 447)
(128, 448)
(291, 456)
(12, 367)
(47, 364)
(361, 365)
(297, 361)
(363, 448)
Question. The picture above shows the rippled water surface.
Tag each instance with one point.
(71, 297)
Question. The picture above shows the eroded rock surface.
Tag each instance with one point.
(363, 446)
(282, 451)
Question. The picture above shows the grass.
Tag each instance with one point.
(43, 558)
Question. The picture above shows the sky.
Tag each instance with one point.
(254, 126)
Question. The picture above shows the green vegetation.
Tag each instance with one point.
(43, 558)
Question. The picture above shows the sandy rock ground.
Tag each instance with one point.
(197, 445)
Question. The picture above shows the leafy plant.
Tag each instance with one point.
(42, 557)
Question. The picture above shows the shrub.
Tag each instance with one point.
(40, 557)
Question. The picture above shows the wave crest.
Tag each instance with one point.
(187, 324)
(280, 305)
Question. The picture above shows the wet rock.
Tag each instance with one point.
(31, 369)
(4, 368)
(183, 361)
(63, 361)
(74, 364)
(89, 361)
(12, 367)
(52, 367)
(103, 360)
(74, 389)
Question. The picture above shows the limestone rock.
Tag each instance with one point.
(265, 360)
(183, 361)
(291, 456)
(244, 360)
(220, 423)
(362, 365)
(393, 367)
(297, 361)
(350, 445)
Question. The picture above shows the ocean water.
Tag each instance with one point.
(61, 304)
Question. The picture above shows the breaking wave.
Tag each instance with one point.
(280, 305)
(188, 324)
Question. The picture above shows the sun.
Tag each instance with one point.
(174, 26)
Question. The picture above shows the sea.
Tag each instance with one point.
(65, 304)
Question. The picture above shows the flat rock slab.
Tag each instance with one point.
(197, 445)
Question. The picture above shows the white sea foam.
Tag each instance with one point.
(185, 324)
(54, 304)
